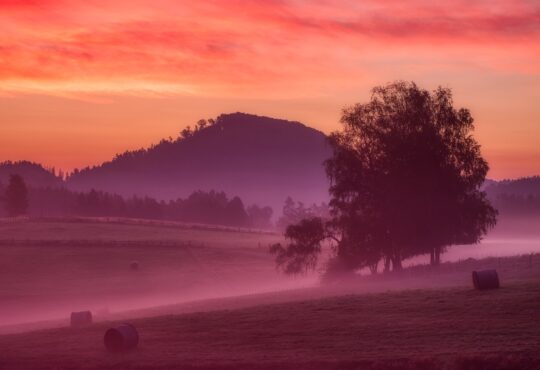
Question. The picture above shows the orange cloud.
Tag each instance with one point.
(297, 59)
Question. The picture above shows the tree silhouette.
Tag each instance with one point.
(405, 179)
(304, 248)
(260, 217)
(16, 197)
(294, 212)
(236, 213)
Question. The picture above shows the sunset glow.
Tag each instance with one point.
(84, 80)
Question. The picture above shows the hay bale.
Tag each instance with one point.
(121, 338)
(134, 265)
(81, 318)
(485, 279)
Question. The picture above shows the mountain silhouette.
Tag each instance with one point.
(262, 160)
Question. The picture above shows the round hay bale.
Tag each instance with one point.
(485, 279)
(81, 318)
(134, 265)
(121, 338)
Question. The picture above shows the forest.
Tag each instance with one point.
(207, 207)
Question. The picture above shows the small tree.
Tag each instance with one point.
(201, 124)
(16, 196)
(294, 212)
(303, 251)
(186, 132)
(235, 213)
(260, 217)
(405, 180)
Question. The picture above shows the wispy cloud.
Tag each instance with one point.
(234, 46)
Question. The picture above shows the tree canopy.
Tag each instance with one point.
(405, 179)
(16, 196)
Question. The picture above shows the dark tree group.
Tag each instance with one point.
(516, 198)
(405, 180)
(260, 217)
(16, 196)
(294, 212)
(515, 205)
(210, 207)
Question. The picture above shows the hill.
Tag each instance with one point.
(34, 174)
(262, 160)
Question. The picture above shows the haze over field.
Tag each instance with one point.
(78, 265)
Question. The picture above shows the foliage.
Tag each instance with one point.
(33, 174)
(261, 217)
(405, 178)
(294, 212)
(201, 207)
(305, 245)
(519, 197)
(517, 205)
(16, 196)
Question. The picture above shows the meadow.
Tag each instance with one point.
(49, 268)
(210, 298)
(446, 328)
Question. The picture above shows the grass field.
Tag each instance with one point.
(121, 229)
(209, 298)
(453, 328)
(50, 268)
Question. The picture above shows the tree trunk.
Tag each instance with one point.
(437, 256)
(432, 257)
(374, 267)
(396, 264)
(387, 262)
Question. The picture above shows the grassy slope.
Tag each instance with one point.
(403, 328)
(105, 229)
(438, 322)
(47, 280)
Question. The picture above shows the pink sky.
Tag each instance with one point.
(83, 80)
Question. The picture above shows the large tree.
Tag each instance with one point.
(16, 196)
(405, 180)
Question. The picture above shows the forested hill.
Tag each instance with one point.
(260, 159)
(34, 174)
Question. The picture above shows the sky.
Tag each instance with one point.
(82, 80)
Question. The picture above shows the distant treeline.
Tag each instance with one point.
(519, 197)
(48, 196)
(516, 205)
(210, 207)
